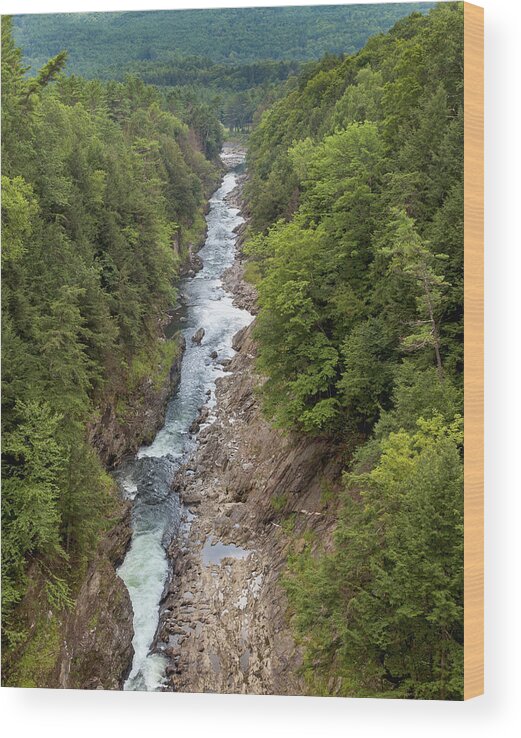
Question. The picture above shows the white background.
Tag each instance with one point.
(56, 713)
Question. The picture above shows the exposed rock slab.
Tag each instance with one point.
(198, 336)
(244, 293)
(97, 648)
(115, 437)
(224, 624)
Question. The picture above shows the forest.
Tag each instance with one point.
(248, 53)
(229, 35)
(354, 242)
(98, 185)
(356, 198)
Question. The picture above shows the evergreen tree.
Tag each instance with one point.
(97, 179)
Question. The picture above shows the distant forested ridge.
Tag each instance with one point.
(233, 59)
(98, 43)
(356, 198)
(103, 188)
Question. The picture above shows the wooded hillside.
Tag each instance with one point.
(356, 196)
(102, 191)
(100, 43)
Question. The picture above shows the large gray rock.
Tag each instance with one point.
(198, 336)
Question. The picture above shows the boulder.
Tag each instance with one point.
(198, 336)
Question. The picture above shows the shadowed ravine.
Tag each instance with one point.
(156, 514)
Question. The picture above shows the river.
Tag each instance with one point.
(147, 479)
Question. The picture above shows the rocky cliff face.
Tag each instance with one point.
(244, 293)
(252, 496)
(96, 651)
(114, 436)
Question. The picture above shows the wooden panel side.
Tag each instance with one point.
(474, 356)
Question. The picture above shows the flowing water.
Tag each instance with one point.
(147, 479)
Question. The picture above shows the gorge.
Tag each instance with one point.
(232, 373)
(157, 513)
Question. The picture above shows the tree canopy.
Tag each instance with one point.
(356, 197)
(103, 189)
(229, 35)
(233, 59)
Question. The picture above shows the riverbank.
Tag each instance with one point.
(251, 496)
(208, 320)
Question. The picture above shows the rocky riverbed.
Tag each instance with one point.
(251, 496)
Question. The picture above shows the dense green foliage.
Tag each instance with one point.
(102, 187)
(233, 91)
(248, 53)
(101, 43)
(356, 195)
(356, 243)
(382, 614)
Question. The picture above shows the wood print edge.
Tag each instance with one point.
(473, 351)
